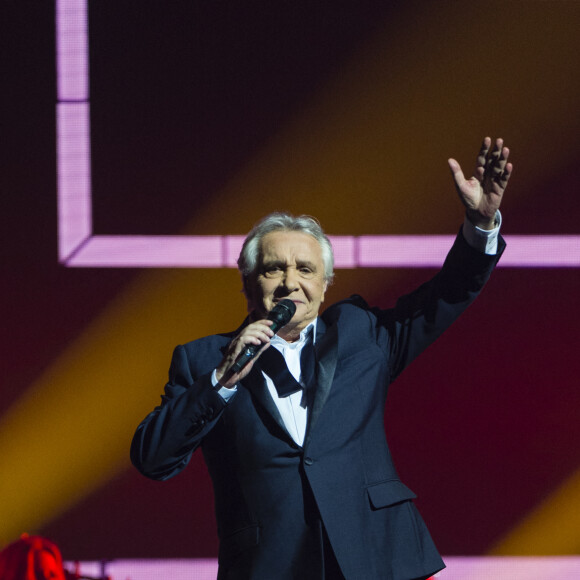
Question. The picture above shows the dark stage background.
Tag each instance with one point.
(204, 117)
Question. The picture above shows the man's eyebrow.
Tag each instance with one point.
(270, 263)
(307, 263)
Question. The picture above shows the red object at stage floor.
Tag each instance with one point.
(32, 558)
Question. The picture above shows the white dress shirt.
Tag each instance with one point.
(293, 407)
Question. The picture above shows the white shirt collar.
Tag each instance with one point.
(297, 344)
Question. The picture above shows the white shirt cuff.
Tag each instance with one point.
(225, 393)
(483, 240)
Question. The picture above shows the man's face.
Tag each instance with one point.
(289, 266)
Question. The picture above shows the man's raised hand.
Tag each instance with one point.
(481, 194)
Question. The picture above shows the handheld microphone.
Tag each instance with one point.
(280, 316)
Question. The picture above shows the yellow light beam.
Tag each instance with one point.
(70, 432)
(551, 529)
(369, 147)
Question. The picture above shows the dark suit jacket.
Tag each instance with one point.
(272, 497)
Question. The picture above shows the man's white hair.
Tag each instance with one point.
(278, 221)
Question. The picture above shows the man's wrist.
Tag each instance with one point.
(224, 392)
(481, 222)
(481, 239)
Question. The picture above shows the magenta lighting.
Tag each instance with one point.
(78, 247)
(458, 568)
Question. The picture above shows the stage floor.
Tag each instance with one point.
(458, 568)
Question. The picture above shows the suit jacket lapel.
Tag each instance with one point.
(326, 351)
(256, 384)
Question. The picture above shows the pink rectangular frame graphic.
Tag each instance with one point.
(78, 247)
(458, 568)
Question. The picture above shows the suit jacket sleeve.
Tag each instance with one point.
(420, 317)
(190, 407)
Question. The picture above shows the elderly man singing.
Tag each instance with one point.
(293, 436)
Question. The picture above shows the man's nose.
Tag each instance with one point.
(290, 280)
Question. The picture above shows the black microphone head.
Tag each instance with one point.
(281, 314)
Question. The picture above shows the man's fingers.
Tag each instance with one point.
(257, 337)
(504, 157)
(256, 334)
(482, 158)
(502, 177)
(493, 161)
(456, 172)
(497, 170)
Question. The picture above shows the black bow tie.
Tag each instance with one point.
(272, 362)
